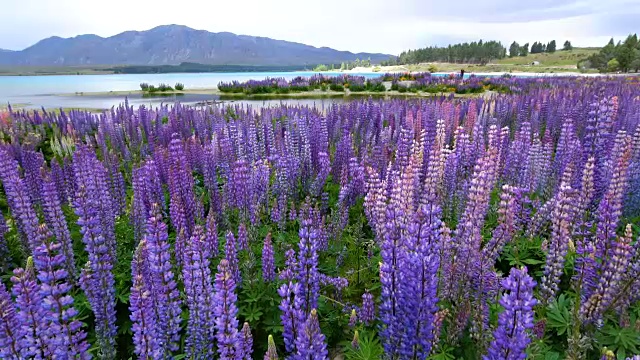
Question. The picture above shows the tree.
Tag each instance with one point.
(514, 49)
(524, 50)
(626, 53)
(567, 46)
(613, 65)
(551, 47)
(635, 64)
(536, 48)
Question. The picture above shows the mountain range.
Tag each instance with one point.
(174, 44)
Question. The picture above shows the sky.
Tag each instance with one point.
(385, 26)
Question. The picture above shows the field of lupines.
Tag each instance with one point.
(400, 82)
(441, 228)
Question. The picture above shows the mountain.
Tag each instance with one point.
(174, 44)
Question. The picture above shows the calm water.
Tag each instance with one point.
(47, 91)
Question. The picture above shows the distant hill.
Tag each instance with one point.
(558, 58)
(5, 51)
(172, 45)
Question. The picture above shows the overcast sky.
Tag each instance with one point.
(387, 26)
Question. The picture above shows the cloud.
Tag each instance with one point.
(355, 25)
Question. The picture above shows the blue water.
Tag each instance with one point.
(48, 91)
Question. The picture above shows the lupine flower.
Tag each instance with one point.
(308, 265)
(66, 337)
(268, 262)
(4, 248)
(225, 313)
(198, 290)
(55, 217)
(367, 311)
(246, 342)
(310, 343)
(164, 288)
(355, 343)
(243, 237)
(231, 255)
(292, 314)
(31, 315)
(511, 337)
(272, 351)
(291, 264)
(19, 200)
(559, 242)
(353, 318)
(11, 333)
(141, 306)
(211, 234)
(97, 278)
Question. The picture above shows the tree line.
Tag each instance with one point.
(537, 48)
(623, 56)
(476, 52)
(479, 52)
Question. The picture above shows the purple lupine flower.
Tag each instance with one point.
(559, 242)
(4, 248)
(246, 342)
(608, 288)
(292, 314)
(164, 289)
(32, 163)
(19, 200)
(55, 217)
(211, 234)
(367, 311)
(418, 289)
(179, 223)
(181, 183)
(268, 261)
(198, 289)
(231, 254)
(66, 337)
(511, 337)
(31, 314)
(144, 322)
(310, 343)
(97, 280)
(272, 351)
(225, 313)
(12, 335)
(307, 271)
(243, 237)
(291, 264)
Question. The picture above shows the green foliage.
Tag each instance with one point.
(559, 316)
(479, 52)
(369, 349)
(567, 46)
(179, 86)
(613, 65)
(321, 67)
(144, 86)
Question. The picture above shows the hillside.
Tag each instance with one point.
(556, 59)
(172, 45)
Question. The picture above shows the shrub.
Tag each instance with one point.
(152, 89)
(432, 68)
(164, 87)
(336, 87)
(179, 86)
(144, 86)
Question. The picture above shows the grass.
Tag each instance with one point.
(559, 58)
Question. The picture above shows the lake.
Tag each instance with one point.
(47, 91)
